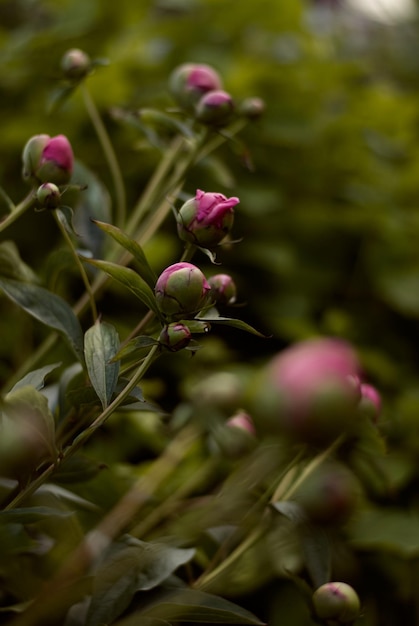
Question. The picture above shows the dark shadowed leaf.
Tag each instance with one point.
(48, 308)
(101, 343)
(191, 605)
(127, 570)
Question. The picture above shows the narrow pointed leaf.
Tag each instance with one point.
(48, 308)
(101, 343)
(134, 248)
(228, 321)
(130, 279)
(192, 605)
(36, 378)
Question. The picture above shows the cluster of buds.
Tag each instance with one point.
(206, 219)
(181, 291)
(198, 89)
(312, 392)
(48, 160)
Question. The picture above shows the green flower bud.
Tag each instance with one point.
(336, 603)
(181, 291)
(175, 336)
(76, 64)
(329, 495)
(252, 108)
(48, 196)
(215, 108)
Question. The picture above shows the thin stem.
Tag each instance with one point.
(18, 210)
(86, 434)
(154, 184)
(109, 154)
(78, 263)
(9, 202)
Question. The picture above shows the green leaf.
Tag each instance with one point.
(12, 266)
(134, 248)
(127, 570)
(190, 605)
(36, 378)
(65, 216)
(48, 308)
(101, 343)
(31, 515)
(317, 554)
(228, 321)
(386, 530)
(130, 279)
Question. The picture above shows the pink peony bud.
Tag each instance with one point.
(243, 421)
(309, 389)
(175, 336)
(215, 108)
(206, 219)
(370, 401)
(252, 108)
(48, 159)
(190, 81)
(181, 291)
(223, 289)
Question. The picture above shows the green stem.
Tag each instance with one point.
(109, 154)
(150, 193)
(86, 434)
(9, 202)
(18, 210)
(79, 264)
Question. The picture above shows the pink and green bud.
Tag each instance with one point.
(308, 390)
(76, 64)
(175, 336)
(370, 402)
(48, 159)
(252, 108)
(243, 422)
(48, 196)
(215, 108)
(190, 81)
(206, 219)
(336, 603)
(181, 291)
(223, 289)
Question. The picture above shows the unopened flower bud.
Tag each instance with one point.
(48, 196)
(190, 81)
(223, 289)
(48, 159)
(215, 108)
(221, 391)
(175, 336)
(181, 291)
(307, 390)
(329, 495)
(336, 603)
(75, 64)
(206, 219)
(370, 402)
(242, 421)
(252, 108)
